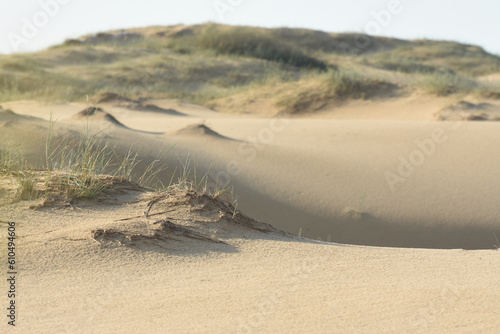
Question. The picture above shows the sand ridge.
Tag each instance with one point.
(337, 180)
(133, 260)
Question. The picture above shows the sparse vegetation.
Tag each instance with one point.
(73, 170)
(257, 44)
(444, 84)
(488, 90)
(206, 63)
(405, 66)
(87, 168)
(13, 164)
(11, 159)
(497, 245)
(432, 56)
(333, 87)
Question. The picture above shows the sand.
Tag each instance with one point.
(397, 212)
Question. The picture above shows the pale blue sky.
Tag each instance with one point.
(473, 22)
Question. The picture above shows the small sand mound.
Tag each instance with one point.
(91, 111)
(109, 97)
(8, 118)
(8, 111)
(169, 221)
(199, 130)
(155, 108)
(118, 100)
(97, 114)
(467, 111)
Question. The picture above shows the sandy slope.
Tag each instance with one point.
(73, 280)
(342, 180)
(348, 181)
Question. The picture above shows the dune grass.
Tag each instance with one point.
(258, 44)
(13, 163)
(425, 56)
(198, 78)
(77, 169)
(497, 245)
(205, 63)
(86, 168)
(12, 159)
(443, 84)
(336, 85)
(404, 65)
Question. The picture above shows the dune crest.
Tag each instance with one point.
(98, 114)
(118, 100)
(9, 117)
(7, 111)
(199, 130)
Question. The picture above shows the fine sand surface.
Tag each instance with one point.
(399, 181)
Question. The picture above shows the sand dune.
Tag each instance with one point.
(379, 183)
(230, 179)
(189, 263)
(98, 114)
(8, 117)
(199, 130)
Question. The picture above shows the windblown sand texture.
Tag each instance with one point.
(362, 215)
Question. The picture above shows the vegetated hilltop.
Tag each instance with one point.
(230, 67)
